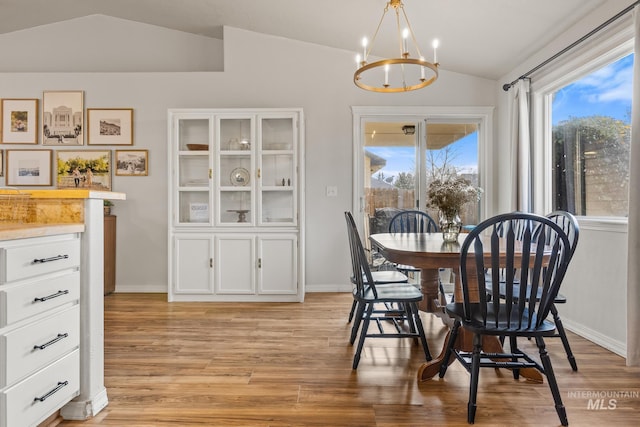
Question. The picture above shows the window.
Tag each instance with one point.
(398, 150)
(590, 141)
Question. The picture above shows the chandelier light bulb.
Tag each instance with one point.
(405, 35)
(386, 75)
(365, 42)
(435, 45)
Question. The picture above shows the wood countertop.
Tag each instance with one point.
(68, 194)
(24, 231)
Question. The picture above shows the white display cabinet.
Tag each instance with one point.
(236, 197)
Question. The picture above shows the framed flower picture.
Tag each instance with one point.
(110, 126)
(19, 122)
(28, 167)
(63, 118)
(132, 162)
(86, 169)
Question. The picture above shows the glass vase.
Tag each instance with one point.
(450, 225)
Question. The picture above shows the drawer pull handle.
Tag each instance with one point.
(52, 296)
(53, 341)
(53, 258)
(52, 392)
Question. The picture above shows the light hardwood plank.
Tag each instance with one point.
(289, 364)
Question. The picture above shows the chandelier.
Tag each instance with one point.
(400, 74)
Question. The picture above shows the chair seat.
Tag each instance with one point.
(396, 292)
(389, 276)
(405, 267)
(502, 326)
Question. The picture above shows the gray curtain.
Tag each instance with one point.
(520, 148)
(633, 267)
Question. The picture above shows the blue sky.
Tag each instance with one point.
(402, 159)
(606, 91)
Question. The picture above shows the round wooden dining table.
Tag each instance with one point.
(429, 252)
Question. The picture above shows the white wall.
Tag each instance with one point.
(99, 43)
(597, 279)
(260, 71)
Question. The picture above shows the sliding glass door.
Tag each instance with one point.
(399, 158)
(391, 170)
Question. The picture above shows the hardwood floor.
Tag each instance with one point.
(289, 364)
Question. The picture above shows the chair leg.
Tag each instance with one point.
(358, 319)
(475, 373)
(551, 379)
(353, 310)
(363, 334)
(563, 337)
(513, 348)
(415, 318)
(453, 335)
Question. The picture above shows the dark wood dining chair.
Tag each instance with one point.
(384, 273)
(494, 246)
(413, 221)
(376, 302)
(570, 226)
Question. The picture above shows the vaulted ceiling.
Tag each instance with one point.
(485, 38)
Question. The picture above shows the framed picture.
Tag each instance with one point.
(132, 162)
(110, 126)
(28, 167)
(63, 118)
(19, 121)
(86, 169)
(1, 163)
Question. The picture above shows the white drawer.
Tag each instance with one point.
(56, 385)
(31, 347)
(21, 262)
(29, 299)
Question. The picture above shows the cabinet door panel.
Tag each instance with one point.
(278, 262)
(193, 265)
(235, 267)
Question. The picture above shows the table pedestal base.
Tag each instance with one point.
(464, 342)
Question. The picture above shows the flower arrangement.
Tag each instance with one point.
(451, 193)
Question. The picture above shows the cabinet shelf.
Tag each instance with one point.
(194, 153)
(194, 188)
(280, 188)
(244, 153)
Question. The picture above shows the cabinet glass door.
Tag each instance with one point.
(278, 171)
(193, 170)
(236, 174)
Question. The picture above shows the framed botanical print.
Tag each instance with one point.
(63, 118)
(110, 126)
(28, 167)
(86, 169)
(19, 122)
(132, 162)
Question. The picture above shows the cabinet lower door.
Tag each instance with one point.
(277, 264)
(193, 265)
(235, 264)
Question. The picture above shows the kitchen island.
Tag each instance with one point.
(51, 211)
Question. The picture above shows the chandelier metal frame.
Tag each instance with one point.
(403, 61)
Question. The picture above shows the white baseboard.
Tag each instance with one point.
(341, 287)
(154, 289)
(141, 289)
(84, 409)
(618, 347)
